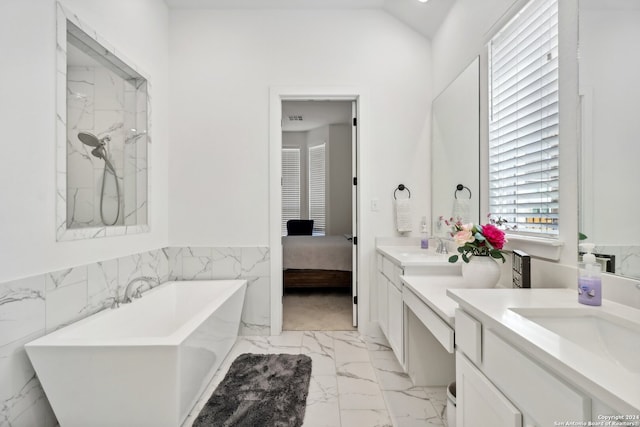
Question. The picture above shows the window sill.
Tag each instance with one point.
(539, 247)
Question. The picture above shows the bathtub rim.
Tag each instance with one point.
(57, 339)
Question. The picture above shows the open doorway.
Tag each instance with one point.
(318, 215)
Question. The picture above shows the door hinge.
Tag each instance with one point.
(355, 121)
(355, 240)
(355, 180)
(355, 299)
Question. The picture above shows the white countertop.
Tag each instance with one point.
(604, 379)
(432, 290)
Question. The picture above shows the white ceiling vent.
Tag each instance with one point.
(295, 118)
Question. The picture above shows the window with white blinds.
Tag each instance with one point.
(290, 186)
(523, 121)
(317, 188)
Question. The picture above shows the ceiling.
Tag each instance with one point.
(301, 116)
(425, 18)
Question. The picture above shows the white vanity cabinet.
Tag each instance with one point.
(499, 385)
(390, 305)
(420, 336)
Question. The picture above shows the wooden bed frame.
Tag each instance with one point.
(316, 279)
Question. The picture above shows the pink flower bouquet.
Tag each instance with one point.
(476, 239)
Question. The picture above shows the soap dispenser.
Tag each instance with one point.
(589, 277)
(424, 235)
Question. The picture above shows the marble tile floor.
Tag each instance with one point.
(356, 381)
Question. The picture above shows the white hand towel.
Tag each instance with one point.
(403, 215)
(462, 210)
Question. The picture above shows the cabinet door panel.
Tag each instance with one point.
(480, 403)
(383, 305)
(469, 336)
(396, 322)
(535, 390)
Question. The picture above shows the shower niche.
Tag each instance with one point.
(102, 136)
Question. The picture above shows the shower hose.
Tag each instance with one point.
(108, 166)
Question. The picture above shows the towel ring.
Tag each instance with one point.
(401, 187)
(461, 187)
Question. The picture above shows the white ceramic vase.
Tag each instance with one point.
(481, 272)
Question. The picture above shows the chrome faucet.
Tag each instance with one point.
(442, 247)
(115, 303)
(131, 292)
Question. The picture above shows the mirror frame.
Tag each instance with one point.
(63, 16)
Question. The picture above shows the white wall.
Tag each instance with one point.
(463, 35)
(27, 110)
(222, 66)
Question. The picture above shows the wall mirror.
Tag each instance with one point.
(455, 151)
(609, 65)
(102, 136)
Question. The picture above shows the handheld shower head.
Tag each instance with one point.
(100, 151)
(90, 139)
(98, 145)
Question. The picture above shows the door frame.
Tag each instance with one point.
(277, 95)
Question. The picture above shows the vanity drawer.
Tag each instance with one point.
(395, 278)
(387, 268)
(438, 327)
(469, 336)
(533, 389)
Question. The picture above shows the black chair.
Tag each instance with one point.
(300, 227)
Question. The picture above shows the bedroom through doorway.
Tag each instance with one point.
(318, 208)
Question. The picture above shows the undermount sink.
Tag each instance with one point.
(609, 336)
(417, 261)
(423, 254)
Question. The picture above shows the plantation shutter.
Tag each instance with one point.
(523, 122)
(317, 188)
(290, 186)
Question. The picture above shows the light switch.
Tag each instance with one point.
(374, 205)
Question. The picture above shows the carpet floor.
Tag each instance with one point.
(317, 311)
(267, 390)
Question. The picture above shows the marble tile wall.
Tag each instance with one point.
(96, 104)
(250, 263)
(627, 258)
(34, 306)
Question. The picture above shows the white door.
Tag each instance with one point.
(354, 210)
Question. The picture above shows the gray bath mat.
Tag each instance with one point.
(260, 390)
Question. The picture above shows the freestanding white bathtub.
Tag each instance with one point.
(144, 364)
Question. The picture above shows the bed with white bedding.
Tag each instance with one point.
(317, 261)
